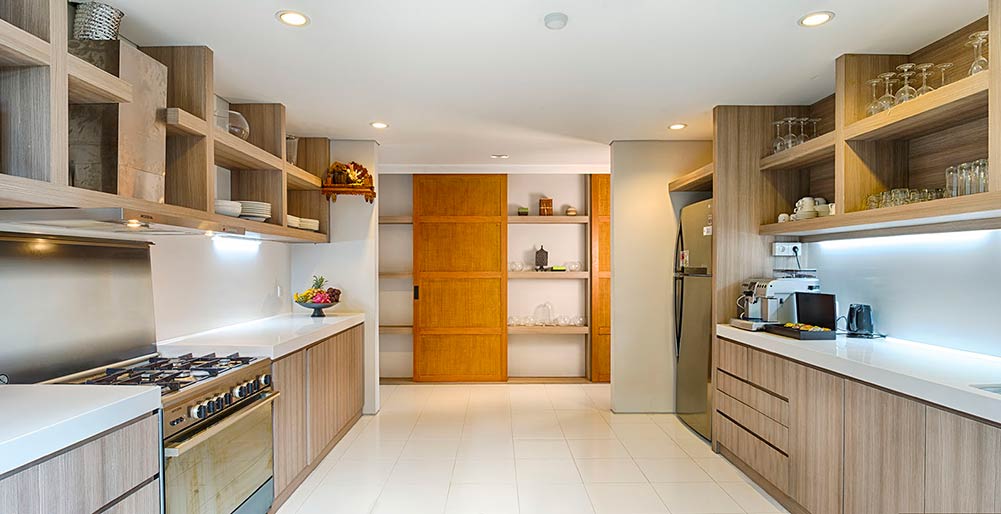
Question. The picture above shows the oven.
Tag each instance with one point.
(224, 464)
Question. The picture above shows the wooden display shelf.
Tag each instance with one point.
(234, 153)
(300, 179)
(549, 275)
(396, 329)
(396, 274)
(698, 180)
(89, 84)
(979, 211)
(548, 330)
(547, 220)
(396, 220)
(948, 106)
(183, 123)
(816, 150)
(21, 48)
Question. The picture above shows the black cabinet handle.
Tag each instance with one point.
(417, 292)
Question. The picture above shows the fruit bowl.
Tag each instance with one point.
(317, 308)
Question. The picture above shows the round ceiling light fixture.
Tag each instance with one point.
(499, 156)
(556, 20)
(292, 18)
(379, 124)
(678, 126)
(816, 19)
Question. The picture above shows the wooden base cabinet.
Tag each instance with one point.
(323, 394)
(962, 464)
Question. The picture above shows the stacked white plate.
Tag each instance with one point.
(293, 221)
(228, 208)
(255, 211)
(309, 224)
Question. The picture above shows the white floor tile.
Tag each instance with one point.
(341, 499)
(662, 448)
(422, 472)
(368, 471)
(672, 470)
(486, 447)
(483, 471)
(638, 431)
(597, 449)
(553, 499)
(482, 499)
(625, 499)
(376, 449)
(720, 470)
(751, 498)
(620, 471)
(547, 471)
(699, 498)
(423, 449)
(412, 499)
(541, 449)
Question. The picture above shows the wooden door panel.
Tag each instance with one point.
(601, 195)
(601, 353)
(460, 195)
(460, 303)
(288, 376)
(322, 399)
(816, 439)
(459, 247)
(464, 357)
(604, 248)
(601, 314)
(961, 464)
(601, 278)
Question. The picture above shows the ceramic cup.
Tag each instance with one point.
(806, 203)
(831, 210)
(819, 201)
(823, 210)
(783, 217)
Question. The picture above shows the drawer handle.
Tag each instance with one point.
(178, 449)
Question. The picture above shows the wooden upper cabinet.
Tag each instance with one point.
(816, 439)
(962, 461)
(601, 278)
(884, 452)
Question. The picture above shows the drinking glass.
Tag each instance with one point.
(872, 202)
(982, 175)
(952, 182)
(967, 181)
(906, 92)
(924, 74)
(802, 137)
(885, 199)
(943, 68)
(940, 193)
(814, 121)
(914, 196)
(899, 196)
(779, 143)
(887, 100)
(791, 139)
(875, 106)
(977, 40)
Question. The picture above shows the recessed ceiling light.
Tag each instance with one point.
(816, 19)
(378, 125)
(499, 156)
(556, 20)
(678, 126)
(292, 18)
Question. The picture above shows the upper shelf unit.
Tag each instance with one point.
(234, 153)
(183, 123)
(947, 106)
(21, 48)
(396, 220)
(89, 84)
(813, 151)
(300, 179)
(547, 220)
(698, 180)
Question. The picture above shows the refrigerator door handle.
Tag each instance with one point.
(679, 301)
(678, 246)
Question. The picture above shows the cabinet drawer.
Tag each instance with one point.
(761, 401)
(769, 372)
(763, 426)
(732, 358)
(144, 501)
(765, 460)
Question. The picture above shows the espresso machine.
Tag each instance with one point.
(770, 300)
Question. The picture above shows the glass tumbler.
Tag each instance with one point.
(951, 182)
(982, 175)
(967, 181)
(872, 202)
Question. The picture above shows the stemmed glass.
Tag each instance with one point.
(876, 106)
(814, 121)
(887, 100)
(943, 68)
(779, 143)
(802, 131)
(906, 92)
(977, 40)
(791, 139)
(924, 74)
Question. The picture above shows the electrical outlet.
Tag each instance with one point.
(786, 249)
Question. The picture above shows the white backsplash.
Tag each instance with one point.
(940, 289)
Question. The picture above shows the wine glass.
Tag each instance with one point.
(924, 74)
(943, 68)
(779, 143)
(977, 40)
(791, 139)
(906, 92)
(814, 121)
(802, 137)
(875, 106)
(887, 100)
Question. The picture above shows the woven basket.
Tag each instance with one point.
(97, 21)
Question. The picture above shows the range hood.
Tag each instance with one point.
(108, 220)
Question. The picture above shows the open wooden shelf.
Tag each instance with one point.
(300, 179)
(816, 150)
(89, 84)
(396, 220)
(396, 329)
(183, 123)
(547, 220)
(21, 48)
(549, 275)
(548, 330)
(234, 153)
(396, 274)
(948, 106)
(698, 180)
(974, 211)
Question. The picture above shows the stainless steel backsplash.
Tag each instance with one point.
(68, 305)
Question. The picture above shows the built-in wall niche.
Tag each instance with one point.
(31, 16)
(525, 190)
(396, 294)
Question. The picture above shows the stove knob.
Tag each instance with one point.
(265, 380)
(237, 391)
(197, 412)
(220, 402)
(227, 398)
(210, 406)
(252, 386)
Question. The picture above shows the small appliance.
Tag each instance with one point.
(767, 300)
(860, 322)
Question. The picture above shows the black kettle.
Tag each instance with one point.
(860, 320)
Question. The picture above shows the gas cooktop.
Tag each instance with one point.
(172, 374)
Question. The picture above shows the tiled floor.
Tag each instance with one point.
(498, 449)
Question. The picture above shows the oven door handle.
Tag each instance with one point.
(178, 449)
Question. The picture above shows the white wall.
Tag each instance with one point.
(200, 283)
(939, 289)
(644, 226)
(351, 260)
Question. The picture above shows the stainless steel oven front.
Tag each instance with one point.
(225, 466)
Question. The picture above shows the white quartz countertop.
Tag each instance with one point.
(271, 337)
(41, 419)
(934, 374)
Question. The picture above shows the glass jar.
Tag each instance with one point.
(952, 182)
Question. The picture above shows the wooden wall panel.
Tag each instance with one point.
(601, 278)
(267, 126)
(190, 78)
(884, 452)
(824, 109)
(951, 48)
(25, 137)
(460, 195)
(29, 15)
(930, 155)
(460, 246)
(261, 186)
(961, 464)
(288, 376)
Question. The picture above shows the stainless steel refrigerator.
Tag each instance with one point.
(693, 323)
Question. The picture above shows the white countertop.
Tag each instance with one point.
(938, 375)
(40, 419)
(271, 337)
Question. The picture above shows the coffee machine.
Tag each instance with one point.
(769, 300)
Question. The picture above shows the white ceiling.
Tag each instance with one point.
(458, 80)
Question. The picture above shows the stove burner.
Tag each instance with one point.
(172, 374)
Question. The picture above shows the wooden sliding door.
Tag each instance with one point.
(601, 278)
(460, 278)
